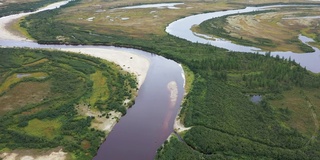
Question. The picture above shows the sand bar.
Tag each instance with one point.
(133, 63)
(173, 89)
(5, 21)
(130, 62)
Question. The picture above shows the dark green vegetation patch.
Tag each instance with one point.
(39, 92)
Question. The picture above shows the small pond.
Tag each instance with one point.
(256, 98)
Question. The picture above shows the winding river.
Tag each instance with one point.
(182, 29)
(149, 122)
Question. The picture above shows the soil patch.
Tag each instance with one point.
(22, 94)
(274, 26)
(102, 121)
(52, 154)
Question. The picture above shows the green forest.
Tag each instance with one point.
(57, 82)
(225, 123)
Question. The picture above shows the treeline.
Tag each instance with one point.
(217, 145)
(258, 73)
(19, 7)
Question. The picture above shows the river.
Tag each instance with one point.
(149, 122)
(182, 29)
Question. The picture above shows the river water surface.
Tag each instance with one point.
(149, 122)
(182, 29)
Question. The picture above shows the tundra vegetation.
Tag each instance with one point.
(274, 30)
(40, 95)
(224, 123)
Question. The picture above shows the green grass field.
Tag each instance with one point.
(43, 128)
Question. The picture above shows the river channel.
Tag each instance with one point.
(149, 122)
(182, 29)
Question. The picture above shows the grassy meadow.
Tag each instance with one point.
(276, 30)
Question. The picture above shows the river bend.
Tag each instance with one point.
(149, 122)
(182, 29)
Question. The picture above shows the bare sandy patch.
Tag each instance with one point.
(178, 126)
(173, 89)
(130, 62)
(102, 121)
(6, 21)
(21, 155)
(8, 156)
(138, 65)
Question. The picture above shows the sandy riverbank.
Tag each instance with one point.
(178, 126)
(53, 154)
(130, 62)
(136, 64)
(4, 25)
(7, 20)
(173, 89)
(102, 121)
